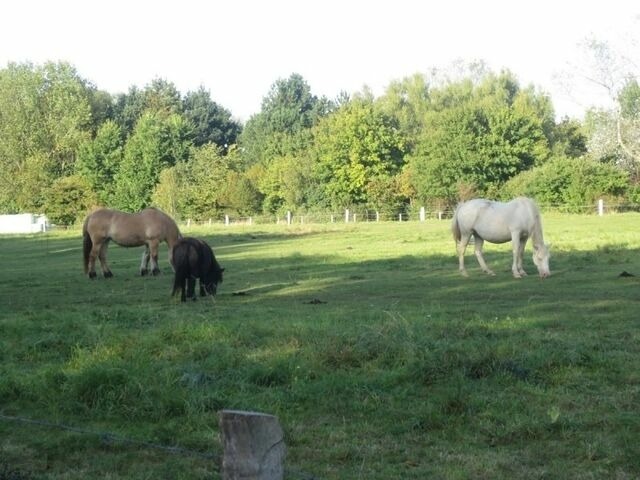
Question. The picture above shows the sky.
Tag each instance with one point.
(237, 49)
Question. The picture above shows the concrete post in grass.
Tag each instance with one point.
(253, 444)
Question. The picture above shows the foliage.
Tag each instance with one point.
(156, 143)
(570, 183)
(287, 110)
(478, 137)
(44, 117)
(196, 189)
(68, 200)
(100, 159)
(211, 122)
(353, 146)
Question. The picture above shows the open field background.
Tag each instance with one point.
(380, 360)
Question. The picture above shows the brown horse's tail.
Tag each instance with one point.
(87, 245)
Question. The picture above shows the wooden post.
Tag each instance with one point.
(346, 216)
(288, 218)
(423, 214)
(600, 207)
(253, 446)
(226, 220)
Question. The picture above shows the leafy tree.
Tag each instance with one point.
(68, 199)
(288, 109)
(195, 189)
(99, 160)
(241, 196)
(476, 138)
(212, 123)
(127, 109)
(407, 101)
(44, 117)
(160, 98)
(353, 146)
(155, 144)
(568, 139)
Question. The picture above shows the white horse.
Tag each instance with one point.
(498, 222)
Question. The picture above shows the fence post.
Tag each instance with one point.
(422, 214)
(377, 216)
(346, 216)
(399, 217)
(600, 207)
(288, 217)
(439, 215)
(254, 447)
(226, 220)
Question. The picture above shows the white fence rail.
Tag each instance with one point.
(411, 214)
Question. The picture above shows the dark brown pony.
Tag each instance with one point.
(193, 258)
(149, 227)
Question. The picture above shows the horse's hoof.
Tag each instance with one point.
(92, 275)
(108, 274)
(143, 272)
(156, 271)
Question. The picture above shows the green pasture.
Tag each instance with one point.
(379, 359)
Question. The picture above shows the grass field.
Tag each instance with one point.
(379, 359)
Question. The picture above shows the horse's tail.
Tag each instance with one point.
(87, 245)
(180, 264)
(455, 227)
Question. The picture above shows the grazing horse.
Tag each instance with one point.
(149, 227)
(498, 222)
(193, 258)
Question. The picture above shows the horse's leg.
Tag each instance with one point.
(462, 246)
(106, 271)
(93, 254)
(144, 263)
(183, 289)
(191, 293)
(477, 244)
(517, 247)
(521, 271)
(153, 254)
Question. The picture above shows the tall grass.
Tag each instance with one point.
(379, 359)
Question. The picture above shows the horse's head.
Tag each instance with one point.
(211, 280)
(541, 259)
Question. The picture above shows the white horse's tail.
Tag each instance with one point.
(455, 228)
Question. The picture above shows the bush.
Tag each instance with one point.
(68, 199)
(570, 182)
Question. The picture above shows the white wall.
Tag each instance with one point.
(23, 223)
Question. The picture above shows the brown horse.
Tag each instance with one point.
(149, 227)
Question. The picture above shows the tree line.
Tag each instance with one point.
(66, 146)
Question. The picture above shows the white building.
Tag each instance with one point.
(23, 223)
